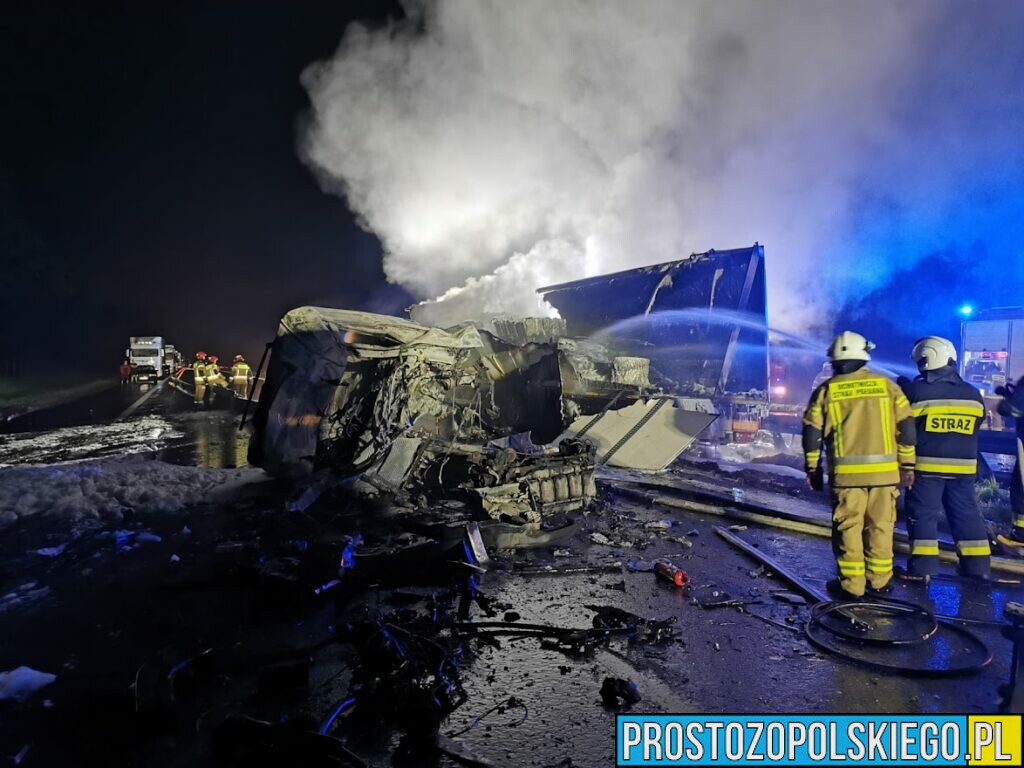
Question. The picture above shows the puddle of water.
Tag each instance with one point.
(210, 440)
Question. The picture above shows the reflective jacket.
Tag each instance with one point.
(212, 371)
(199, 369)
(867, 427)
(241, 371)
(949, 412)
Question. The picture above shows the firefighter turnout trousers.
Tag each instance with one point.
(862, 530)
(930, 495)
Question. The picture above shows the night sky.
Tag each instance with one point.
(149, 182)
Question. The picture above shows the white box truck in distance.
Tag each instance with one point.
(146, 354)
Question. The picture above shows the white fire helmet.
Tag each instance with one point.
(932, 353)
(849, 346)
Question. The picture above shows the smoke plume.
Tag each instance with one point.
(497, 146)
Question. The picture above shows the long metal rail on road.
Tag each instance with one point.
(703, 502)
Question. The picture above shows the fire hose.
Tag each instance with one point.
(851, 638)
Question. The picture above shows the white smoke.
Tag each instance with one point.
(498, 146)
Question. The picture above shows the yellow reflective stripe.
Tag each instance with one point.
(924, 547)
(837, 432)
(878, 561)
(973, 548)
(871, 458)
(863, 469)
(906, 450)
(876, 565)
(901, 401)
(975, 552)
(851, 569)
(887, 430)
(952, 469)
(968, 409)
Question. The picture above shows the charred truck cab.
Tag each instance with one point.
(506, 422)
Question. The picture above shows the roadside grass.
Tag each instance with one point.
(993, 501)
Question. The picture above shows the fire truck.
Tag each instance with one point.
(992, 355)
(993, 348)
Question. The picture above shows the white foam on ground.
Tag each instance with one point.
(71, 444)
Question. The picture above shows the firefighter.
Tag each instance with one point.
(199, 368)
(949, 412)
(213, 375)
(126, 371)
(241, 375)
(1012, 405)
(867, 427)
(240, 370)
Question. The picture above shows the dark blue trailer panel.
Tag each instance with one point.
(701, 320)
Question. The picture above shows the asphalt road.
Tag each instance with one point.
(155, 419)
(111, 620)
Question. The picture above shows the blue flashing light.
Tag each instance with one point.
(966, 310)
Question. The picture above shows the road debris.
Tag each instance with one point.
(619, 693)
(672, 574)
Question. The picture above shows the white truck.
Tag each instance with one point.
(146, 354)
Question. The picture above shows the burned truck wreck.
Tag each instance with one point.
(510, 421)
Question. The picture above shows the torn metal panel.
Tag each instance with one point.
(647, 435)
(700, 353)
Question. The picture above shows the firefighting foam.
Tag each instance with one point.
(496, 147)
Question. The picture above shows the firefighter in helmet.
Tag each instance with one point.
(949, 412)
(213, 375)
(240, 369)
(241, 375)
(199, 368)
(865, 424)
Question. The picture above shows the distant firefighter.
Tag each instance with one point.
(949, 412)
(199, 368)
(1012, 404)
(241, 375)
(867, 428)
(240, 370)
(214, 377)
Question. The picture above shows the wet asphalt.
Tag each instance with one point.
(159, 420)
(104, 617)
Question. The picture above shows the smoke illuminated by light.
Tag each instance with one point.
(495, 147)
